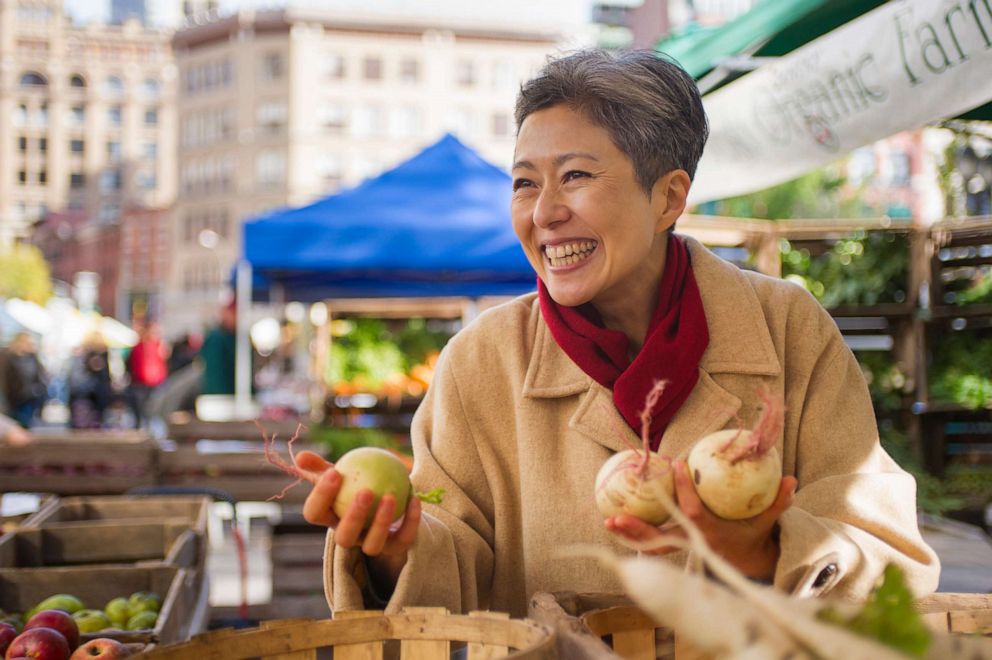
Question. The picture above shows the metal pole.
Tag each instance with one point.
(242, 369)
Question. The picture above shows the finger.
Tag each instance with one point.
(312, 462)
(349, 529)
(378, 532)
(317, 508)
(403, 538)
(642, 536)
(685, 491)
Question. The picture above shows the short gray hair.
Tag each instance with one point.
(647, 103)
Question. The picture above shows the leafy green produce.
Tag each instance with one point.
(961, 370)
(888, 616)
(866, 268)
(886, 380)
(978, 293)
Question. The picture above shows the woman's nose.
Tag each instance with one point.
(550, 209)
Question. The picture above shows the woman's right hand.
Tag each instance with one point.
(379, 540)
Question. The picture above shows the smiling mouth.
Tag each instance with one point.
(566, 254)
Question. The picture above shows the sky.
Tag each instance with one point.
(567, 14)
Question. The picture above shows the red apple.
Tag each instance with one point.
(7, 635)
(39, 644)
(102, 648)
(59, 621)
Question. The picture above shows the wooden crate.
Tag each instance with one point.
(180, 589)
(184, 428)
(170, 541)
(77, 463)
(605, 627)
(238, 468)
(423, 633)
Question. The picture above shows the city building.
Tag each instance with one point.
(281, 107)
(88, 117)
(145, 259)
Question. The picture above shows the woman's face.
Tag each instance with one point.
(586, 225)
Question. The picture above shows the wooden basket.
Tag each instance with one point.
(424, 633)
(601, 627)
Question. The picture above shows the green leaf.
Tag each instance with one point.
(888, 616)
(431, 496)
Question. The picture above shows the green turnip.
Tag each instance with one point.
(737, 472)
(637, 481)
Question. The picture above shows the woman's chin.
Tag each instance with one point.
(567, 298)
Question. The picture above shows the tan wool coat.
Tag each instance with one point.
(516, 432)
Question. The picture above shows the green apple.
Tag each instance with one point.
(14, 620)
(91, 620)
(116, 610)
(65, 602)
(143, 601)
(142, 621)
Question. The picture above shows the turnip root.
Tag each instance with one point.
(363, 468)
(737, 473)
(637, 480)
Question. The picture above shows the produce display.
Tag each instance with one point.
(373, 356)
(866, 268)
(961, 370)
(54, 634)
(887, 381)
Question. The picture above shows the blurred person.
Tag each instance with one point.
(532, 398)
(24, 379)
(146, 366)
(90, 385)
(218, 353)
(184, 351)
(13, 433)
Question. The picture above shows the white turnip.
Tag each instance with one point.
(737, 472)
(637, 481)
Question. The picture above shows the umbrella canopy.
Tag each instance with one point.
(437, 224)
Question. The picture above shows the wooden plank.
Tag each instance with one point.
(485, 650)
(426, 649)
(971, 621)
(618, 619)
(297, 654)
(366, 651)
(86, 509)
(572, 637)
(635, 644)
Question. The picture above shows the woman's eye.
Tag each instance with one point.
(574, 174)
(521, 183)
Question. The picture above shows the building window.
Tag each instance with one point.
(145, 180)
(501, 125)
(22, 143)
(22, 177)
(272, 66)
(150, 87)
(33, 79)
(114, 151)
(404, 122)
(270, 168)
(113, 85)
(465, 73)
(77, 180)
(77, 115)
(110, 181)
(43, 145)
(43, 177)
(902, 171)
(151, 117)
(372, 68)
(77, 81)
(21, 115)
(503, 75)
(335, 67)
(77, 146)
(149, 150)
(41, 116)
(409, 70)
(333, 117)
(226, 73)
(109, 213)
(114, 115)
(223, 223)
(331, 170)
(367, 121)
(271, 116)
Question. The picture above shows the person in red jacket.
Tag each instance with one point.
(147, 368)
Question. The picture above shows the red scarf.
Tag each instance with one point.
(676, 339)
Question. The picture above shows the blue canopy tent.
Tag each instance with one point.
(435, 225)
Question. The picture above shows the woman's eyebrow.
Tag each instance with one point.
(559, 160)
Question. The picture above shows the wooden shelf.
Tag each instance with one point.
(887, 310)
(958, 311)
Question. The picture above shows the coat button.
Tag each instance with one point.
(824, 577)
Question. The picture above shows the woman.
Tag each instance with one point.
(531, 399)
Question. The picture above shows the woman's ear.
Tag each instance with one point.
(668, 198)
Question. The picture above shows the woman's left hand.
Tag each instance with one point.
(749, 545)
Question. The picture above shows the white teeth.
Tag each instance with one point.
(570, 253)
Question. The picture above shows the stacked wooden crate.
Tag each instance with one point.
(101, 547)
(297, 569)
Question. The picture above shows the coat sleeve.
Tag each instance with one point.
(451, 563)
(855, 508)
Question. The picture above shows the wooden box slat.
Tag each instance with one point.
(366, 651)
(101, 542)
(190, 508)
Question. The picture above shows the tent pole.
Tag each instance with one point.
(470, 309)
(242, 368)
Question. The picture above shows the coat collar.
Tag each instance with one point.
(740, 343)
